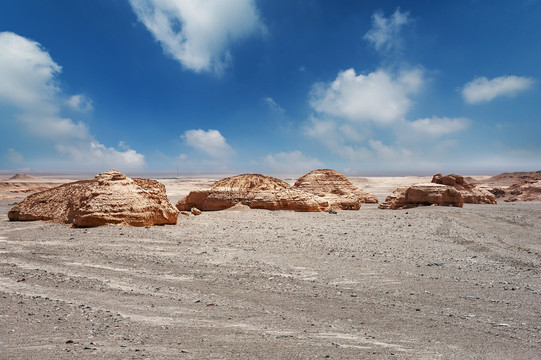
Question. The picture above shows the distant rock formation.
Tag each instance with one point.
(423, 194)
(23, 177)
(253, 190)
(517, 186)
(526, 190)
(335, 188)
(470, 193)
(110, 198)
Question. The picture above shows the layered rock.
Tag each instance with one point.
(470, 193)
(253, 190)
(527, 190)
(335, 188)
(110, 198)
(421, 195)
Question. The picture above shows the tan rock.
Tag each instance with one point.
(196, 211)
(470, 193)
(110, 198)
(423, 194)
(335, 188)
(527, 190)
(253, 190)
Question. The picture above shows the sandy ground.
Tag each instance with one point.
(424, 283)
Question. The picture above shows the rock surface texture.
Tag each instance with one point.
(423, 194)
(253, 190)
(110, 198)
(470, 193)
(335, 188)
(526, 190)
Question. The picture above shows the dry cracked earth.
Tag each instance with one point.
(424, 283)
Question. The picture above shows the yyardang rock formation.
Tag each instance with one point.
(334, 188)
(253, 190)
(110, 198)
(423, 194)
(470, 193)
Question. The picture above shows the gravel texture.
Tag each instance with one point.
(423, 283)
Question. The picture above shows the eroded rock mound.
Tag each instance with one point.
(470, 193)
(110, 198)
(526, 190)
(335, 188)
(421, 195)
(23, 177)
(253, 190)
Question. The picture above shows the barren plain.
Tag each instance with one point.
(423, 283)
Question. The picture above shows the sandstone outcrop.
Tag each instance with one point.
(470, 193)
(423, 194)
(335, 188)
(110, 198)
(517, 186)
(253, 190)
(527, 190)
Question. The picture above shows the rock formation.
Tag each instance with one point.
(526, 190)
(254, 190)
(335, 188)
(110, 198)
(470, 193)
(423, 194)
(517, 186)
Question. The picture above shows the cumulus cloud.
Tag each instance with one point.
(437, 127)
(482, 89)
(30, 85)
(96, 154)
(384, 34)
(80, 103)
(294, 162)
(198, 33)
(381, 96)
(210, 142)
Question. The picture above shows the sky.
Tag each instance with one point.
(373, 87)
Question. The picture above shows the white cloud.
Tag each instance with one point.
(386, 152)
(380, 96)
(198, 33)
(28, 74)
(29, 83)
(14, 156)
(96, 154)
(384, 34)
(210, 142)
(482, 89)
(436, 127)
(294, 162)
(80, 103)
(273, 105)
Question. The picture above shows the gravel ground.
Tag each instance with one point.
(424, 283)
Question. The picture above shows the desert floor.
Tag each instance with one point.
(423, 283)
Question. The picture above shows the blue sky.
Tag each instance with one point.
(278, 87)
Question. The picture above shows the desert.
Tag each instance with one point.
(420, 283)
